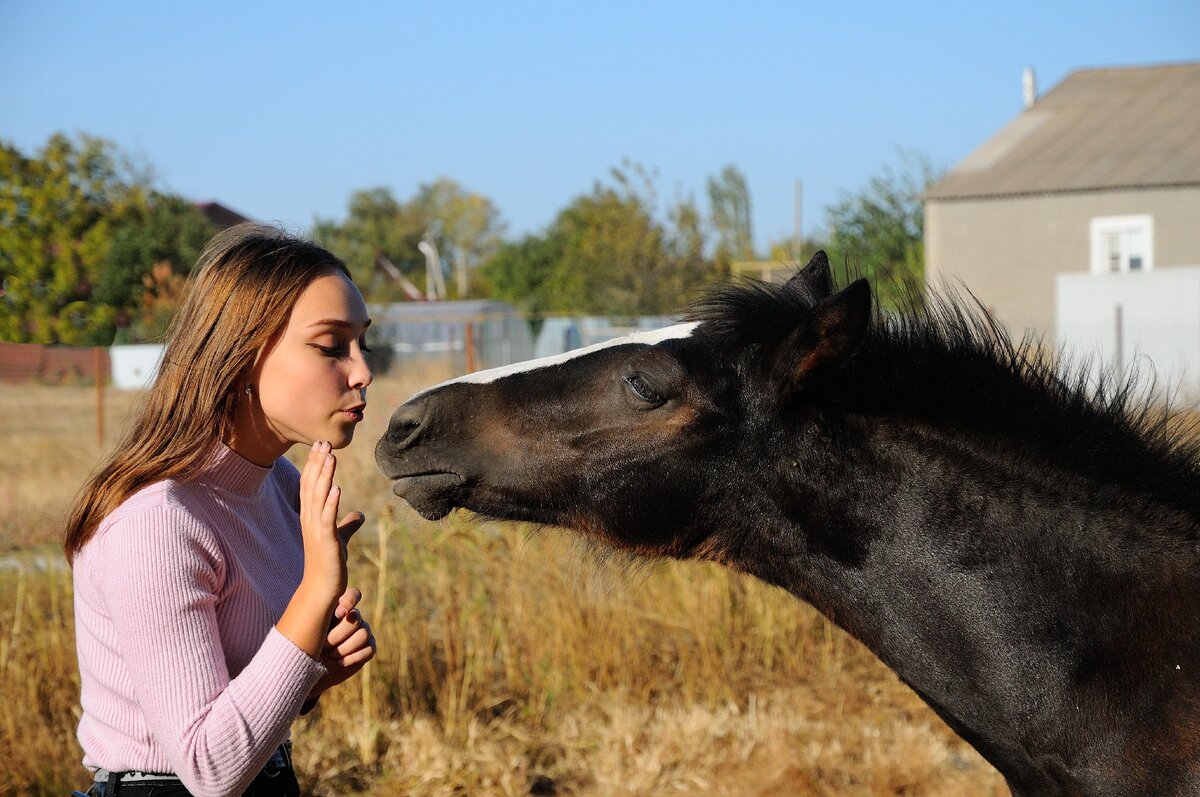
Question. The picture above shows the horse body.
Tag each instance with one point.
(1025, 556)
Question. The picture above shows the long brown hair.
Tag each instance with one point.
(243, 288)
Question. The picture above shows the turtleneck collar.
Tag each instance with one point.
(229, 471)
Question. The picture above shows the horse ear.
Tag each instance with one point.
(833, 333)
(815, 278)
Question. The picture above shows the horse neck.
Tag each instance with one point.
(875, 510)
(981, 577)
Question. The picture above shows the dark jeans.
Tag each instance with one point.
(281, 783)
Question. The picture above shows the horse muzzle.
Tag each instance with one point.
(419, 464)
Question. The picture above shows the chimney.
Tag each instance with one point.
(1030, 85)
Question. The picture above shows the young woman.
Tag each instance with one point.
(211, 600)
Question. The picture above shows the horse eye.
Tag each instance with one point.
(642, 390)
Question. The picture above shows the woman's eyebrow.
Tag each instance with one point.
(338, 322)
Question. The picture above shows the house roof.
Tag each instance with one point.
(221, 216)
(1113, 128)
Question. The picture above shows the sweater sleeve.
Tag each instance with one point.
(159, 575)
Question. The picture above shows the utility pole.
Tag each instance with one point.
(460, 273)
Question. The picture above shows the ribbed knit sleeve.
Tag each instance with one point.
(159, 573)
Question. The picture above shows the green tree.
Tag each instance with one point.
(465, 226)
(729, 206)
(55, 211)
(690, 268)
(783, 250)
(521, 272)
(611, 251)
(607, 253)
(878, 230)
(598, 256)
(376, 224)
(153, 243)
(53, 238)
(86, 244)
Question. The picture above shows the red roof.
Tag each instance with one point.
(220, 215)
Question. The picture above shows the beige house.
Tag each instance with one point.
(1100, 175)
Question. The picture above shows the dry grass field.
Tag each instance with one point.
(511, 661)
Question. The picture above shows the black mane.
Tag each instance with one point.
(950, 364)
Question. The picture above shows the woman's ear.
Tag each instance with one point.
(826, 338)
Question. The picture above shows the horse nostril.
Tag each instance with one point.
(404, 426)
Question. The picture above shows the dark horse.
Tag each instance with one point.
(1022, 550)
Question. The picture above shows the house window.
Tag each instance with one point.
(1121, 244)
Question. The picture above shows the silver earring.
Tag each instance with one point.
(249, 390)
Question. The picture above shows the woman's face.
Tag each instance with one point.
(312, 384)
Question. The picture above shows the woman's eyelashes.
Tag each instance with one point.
(341, 349)
(337, 350)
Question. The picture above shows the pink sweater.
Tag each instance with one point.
(176, 598)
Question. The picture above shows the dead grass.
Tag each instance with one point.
(509, 663)
(51, 436)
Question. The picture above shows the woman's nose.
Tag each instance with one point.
(361, 376)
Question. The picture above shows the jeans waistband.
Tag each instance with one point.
(281, 759)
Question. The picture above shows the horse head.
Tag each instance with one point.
(650, 441)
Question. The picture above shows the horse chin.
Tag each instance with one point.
(432, 495)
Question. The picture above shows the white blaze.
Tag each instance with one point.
(492, 374)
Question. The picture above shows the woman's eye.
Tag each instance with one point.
(340, 349)
(643, 390)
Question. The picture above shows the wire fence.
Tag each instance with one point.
(461, 336)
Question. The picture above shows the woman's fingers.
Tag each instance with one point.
(350, 524)
(329, 511)
(308, 476)
(306, 473)
(324, 490)
(360, 638)
(348, 601)
(357, 639)
(343, 630)
(316, 482)
(359, 657)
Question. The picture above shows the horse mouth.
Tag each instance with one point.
(432, 493)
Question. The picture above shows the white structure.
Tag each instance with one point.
(1147, 321)
(1099, 175)
(133, 367)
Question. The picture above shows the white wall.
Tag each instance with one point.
(1007, 250)
(1149, 321)
(133, 367)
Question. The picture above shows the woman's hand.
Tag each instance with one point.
(349, 645)
(306, 620)
(324, 540)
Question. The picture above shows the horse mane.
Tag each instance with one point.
(944, 360)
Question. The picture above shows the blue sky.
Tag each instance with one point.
(281, 110)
